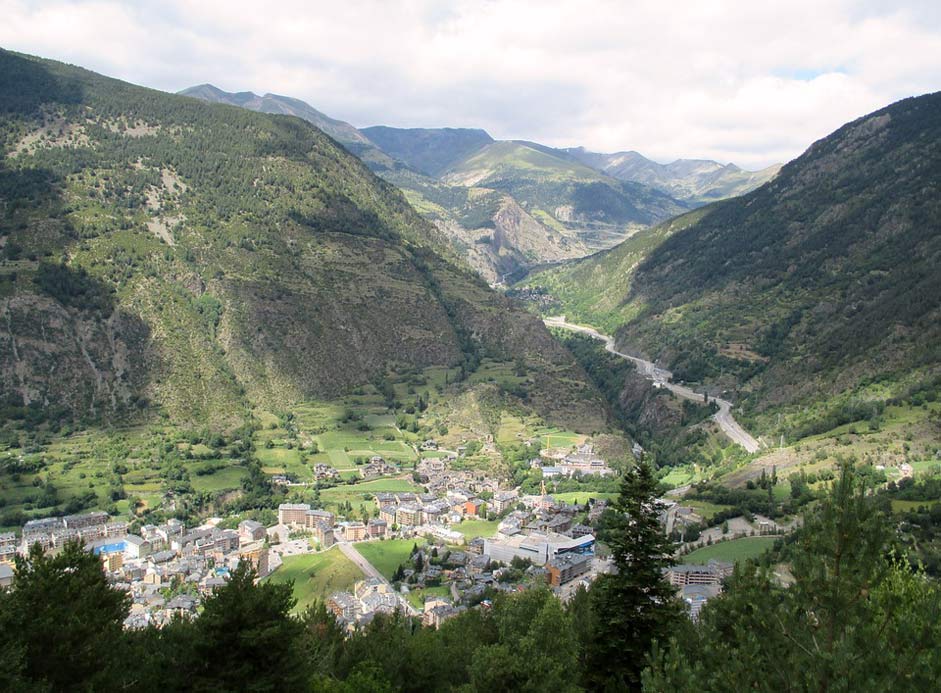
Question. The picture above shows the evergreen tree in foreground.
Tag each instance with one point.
(635, 606)
(856, 618)
(61, 627)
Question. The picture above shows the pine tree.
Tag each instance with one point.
(854, 619)
(634, 606)
(61, 625)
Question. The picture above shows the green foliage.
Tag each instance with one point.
(798, 291)
(60, 628)
(635, 606)
(849, 592)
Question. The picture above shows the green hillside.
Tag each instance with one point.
(167, 257)
(820, 286)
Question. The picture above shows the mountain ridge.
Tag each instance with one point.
(818, 283)
(167, 257)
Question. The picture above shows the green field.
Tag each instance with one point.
(225, 479)
(704, 509)
(905, 506)
(317, 575)
(386, 556)
(582, 497)
(417, 597)
(476, 528)
(733, 551)
(678, 477)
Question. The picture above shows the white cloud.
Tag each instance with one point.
(735, 81)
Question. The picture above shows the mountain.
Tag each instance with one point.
(819, 286)
(167, 257)
(487, 228)
(344, 133)
(283, 105)
(595, 207)
(696, 181)
(430, 151)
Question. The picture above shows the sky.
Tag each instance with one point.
(747, 81)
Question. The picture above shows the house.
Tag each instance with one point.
(315, 517)
(325, 535)
(343, 606)
(579, 531)
(408, 516)
(478, 564)
(250, 530)
(377, 466)
(476, 546)
(136, 547)
(293, 514)
(434, 513)
(565, 567)
(474, 507)
(376, 528)
(183, 605)
(353, 531)
(384, 498)
(502, 502)
(438, 614)
(324, 472)
(255, 553)
(6, 575)
(112, 561)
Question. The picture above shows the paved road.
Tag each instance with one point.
(370, 570)
(661, 378)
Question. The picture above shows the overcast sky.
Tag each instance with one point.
(751, 81)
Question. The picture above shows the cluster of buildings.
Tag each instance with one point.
(583, 461)
(377, 466)
(697, 584)
(437, 475)
(409, 510)
(323, 526)
(53, 532)
(369, 597)
(166, 569)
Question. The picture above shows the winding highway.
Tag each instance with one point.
(661, 378)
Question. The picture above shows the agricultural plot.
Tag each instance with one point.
(706, 510)
(225, 479)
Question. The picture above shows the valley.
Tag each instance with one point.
(508, 207)
(296, 405)
(663, 378)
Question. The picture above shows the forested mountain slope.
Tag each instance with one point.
(823, 280)
(194, 260)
